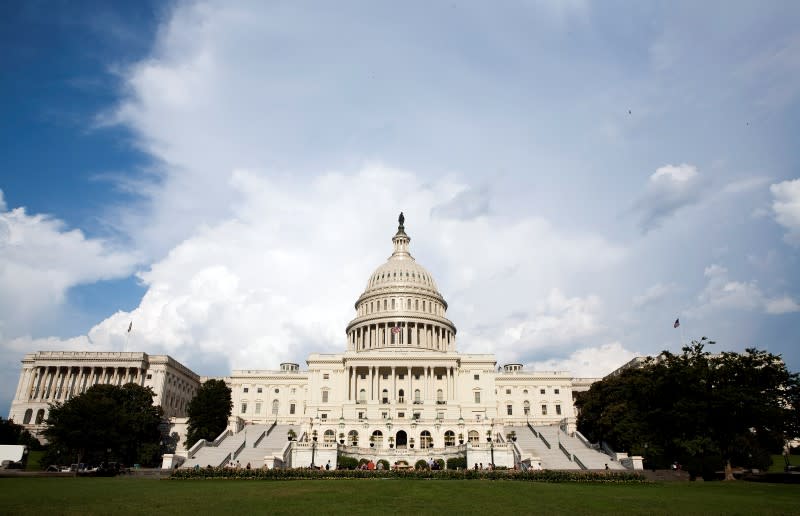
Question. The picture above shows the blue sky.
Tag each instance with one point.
(226, 175)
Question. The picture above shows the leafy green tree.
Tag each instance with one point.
(704, 411)
(107, 422)
(208, 412)
(12, 433)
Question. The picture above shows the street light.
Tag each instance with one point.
(313, 450)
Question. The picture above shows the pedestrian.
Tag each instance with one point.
(327, 466)
(248, 465)
(606, 466)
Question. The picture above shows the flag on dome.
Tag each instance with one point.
(395, 329)
(677, 323)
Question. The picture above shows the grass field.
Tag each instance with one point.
(140, 496)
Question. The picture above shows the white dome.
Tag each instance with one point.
(401, 306)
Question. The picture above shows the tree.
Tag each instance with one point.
(705, 411)
(107, 422)
(208, 412)
(12, 433)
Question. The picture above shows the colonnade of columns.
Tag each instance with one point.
(412, 334)
(55, 383)
(371, 380)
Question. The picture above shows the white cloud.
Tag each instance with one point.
(669, 189)
(40, 260)
(786, 207)
(653, 294)
(588, 362)
(722, 293)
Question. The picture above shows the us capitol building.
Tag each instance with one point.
(401, 392)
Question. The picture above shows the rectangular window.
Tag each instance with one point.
(438, 377)
(323, 417)
(392, 304)
(258, 408)
(477, 377)
(558, 409)
(244, 408)
(324, 396)
(416, 377)
(293, 390)
(541, 391)
(555, 391)
(149, 376)
(246, 390)
(401, 376)
(440, 415)
(360, 416)
(509, 410)
(508, 391)
(326, 376)
(416, 416)
(544, 410)
(291, 408)
(259, 390)
(385, 415)
(416, 304)
(386, 377)
(363, 376)
(477, 396)
(401, 415)
(527, 411)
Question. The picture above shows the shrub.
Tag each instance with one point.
(383, 462)
(344, 462)
(420, 464)
(457, 463)
(440, 462)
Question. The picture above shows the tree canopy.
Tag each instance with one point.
(208, 412)
(107, 417)
(704, 411)
(12, 433)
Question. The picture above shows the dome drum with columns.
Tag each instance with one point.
(401, 307)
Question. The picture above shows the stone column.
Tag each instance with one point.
(393, 397)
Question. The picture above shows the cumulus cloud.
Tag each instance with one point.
(786, 208)
(466, 204)
(653, 294)
(40, 260)
(723, 293)
(588, 362)
(669, 189)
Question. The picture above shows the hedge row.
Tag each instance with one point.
(299, 474)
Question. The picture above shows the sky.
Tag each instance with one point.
(226, 175)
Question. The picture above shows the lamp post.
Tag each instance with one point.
(313, 450)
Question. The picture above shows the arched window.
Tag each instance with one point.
(362, 396)
(401, 396)
(329, 437)
(28, 415)
(352, 438)
(439, 395)
(385, 396)
(377, 438)
(417, 396)
(473, 436)
(526, 407)
(449, 438)
(425, 440)
(274, 407)
(39, 416)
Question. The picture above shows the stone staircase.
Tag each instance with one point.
(272, 443)
(533, 446)
(586, 456)
(251, 444)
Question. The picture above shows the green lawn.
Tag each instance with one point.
(139, 496)
(778, 463)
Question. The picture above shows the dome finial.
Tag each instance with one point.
(401, 219)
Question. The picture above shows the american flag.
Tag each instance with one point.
(395, 329)
(677, 323)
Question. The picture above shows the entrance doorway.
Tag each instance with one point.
(402, 439)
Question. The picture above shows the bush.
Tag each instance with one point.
(344, 462)
(440, 462)
(457, 463)
(420, 464)
(622, 477)
(383, 462)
